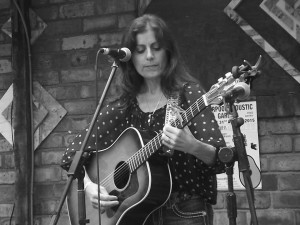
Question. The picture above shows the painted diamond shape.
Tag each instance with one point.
(6, 28)
(36, 23)
(46, 122)
(47, 113)
(7, 113)
(5, 126)
(39, 113)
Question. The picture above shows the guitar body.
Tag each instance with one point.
(140, 192)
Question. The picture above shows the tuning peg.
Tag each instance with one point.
(247, 63)
(255, 67)
(235, 71)
(220, 80)
(228, 75)
(258, 62)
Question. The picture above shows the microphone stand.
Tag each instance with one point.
(229, 155)
(226, 155)
(76, 170)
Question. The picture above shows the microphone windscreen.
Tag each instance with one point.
(127, 56)
(243, 90)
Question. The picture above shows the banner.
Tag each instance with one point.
(247, 111)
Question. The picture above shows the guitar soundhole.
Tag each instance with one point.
(121, 175)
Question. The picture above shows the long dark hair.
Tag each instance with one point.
(175, 74)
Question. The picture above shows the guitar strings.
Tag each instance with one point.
(123, 168)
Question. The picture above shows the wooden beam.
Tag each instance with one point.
(22, 113)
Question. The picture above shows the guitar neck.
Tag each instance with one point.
(141, 156)
(191, 112)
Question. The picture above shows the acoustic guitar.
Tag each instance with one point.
(126, 171)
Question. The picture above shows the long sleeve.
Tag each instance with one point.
(205, 128)
(110, 123)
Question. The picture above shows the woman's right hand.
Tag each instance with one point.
(106, 200)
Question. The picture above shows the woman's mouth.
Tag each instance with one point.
(151, 67)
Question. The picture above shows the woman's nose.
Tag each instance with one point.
(149, 55)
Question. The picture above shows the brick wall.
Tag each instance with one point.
(63, 63)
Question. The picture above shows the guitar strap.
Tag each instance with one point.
(173, 110)
(172, 114)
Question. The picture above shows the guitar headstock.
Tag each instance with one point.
(245, 73)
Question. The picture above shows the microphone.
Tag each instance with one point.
(123, 54)
(240, 91)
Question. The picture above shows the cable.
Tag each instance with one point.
(13, 146)
(12, 212)
(31, 107)
(97, 155)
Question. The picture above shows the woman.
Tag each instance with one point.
(150, 81)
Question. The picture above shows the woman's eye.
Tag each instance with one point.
(156, 47)
(139, 49)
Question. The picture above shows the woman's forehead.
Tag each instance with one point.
(146, 37)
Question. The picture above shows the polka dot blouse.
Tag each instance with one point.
(189, 174)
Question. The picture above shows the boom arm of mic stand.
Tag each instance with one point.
(242, 158)
(77, 163)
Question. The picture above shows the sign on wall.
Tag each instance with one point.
(247, 111)
(285, 13)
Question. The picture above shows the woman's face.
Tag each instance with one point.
(149, 58)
